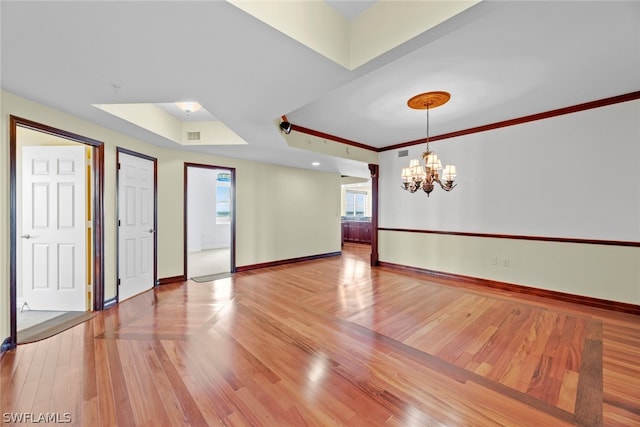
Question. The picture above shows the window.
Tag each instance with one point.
(355, 203)
(223, 198)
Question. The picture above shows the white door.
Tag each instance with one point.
(54, 228)
(136, 225)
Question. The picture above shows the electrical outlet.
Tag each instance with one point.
(506, 262)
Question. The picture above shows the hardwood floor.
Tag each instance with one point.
(332, 342)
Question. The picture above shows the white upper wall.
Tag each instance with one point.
(570, 176)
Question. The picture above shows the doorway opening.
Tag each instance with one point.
(56, 229)
(209, 218)
(356, 210)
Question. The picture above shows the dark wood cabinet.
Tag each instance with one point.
(356, 231)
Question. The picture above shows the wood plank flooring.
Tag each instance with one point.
(332, 342)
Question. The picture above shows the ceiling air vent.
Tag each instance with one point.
(403, 153)
(193, 136)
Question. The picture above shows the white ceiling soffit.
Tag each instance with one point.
(380, 28)
(157, 120)
(321, 145)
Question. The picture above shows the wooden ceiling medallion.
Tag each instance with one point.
(428, 100)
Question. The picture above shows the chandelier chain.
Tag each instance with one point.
(427, 127)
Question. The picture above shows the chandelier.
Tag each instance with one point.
(418, 176)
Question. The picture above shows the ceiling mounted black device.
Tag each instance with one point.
(286, 127)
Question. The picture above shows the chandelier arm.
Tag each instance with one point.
(447, 187)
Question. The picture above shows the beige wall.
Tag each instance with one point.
(599, 271)
(281, 212)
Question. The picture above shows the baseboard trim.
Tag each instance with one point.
(174, 279)
(618, 306)
(286, 261)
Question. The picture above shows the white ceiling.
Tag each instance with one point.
(350, 9)
(499, 60)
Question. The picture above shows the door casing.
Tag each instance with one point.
(97, 197)
(232, 251)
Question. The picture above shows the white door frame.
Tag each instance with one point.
(119, 269)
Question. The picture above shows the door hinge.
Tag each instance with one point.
(118, 282)
(118, 223)
(118, 166)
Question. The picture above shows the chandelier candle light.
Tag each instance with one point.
(417, 176)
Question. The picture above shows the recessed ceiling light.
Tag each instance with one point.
(315, 164)
(188, 107)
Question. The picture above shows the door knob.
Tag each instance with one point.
(151, 230)
(25, 236)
